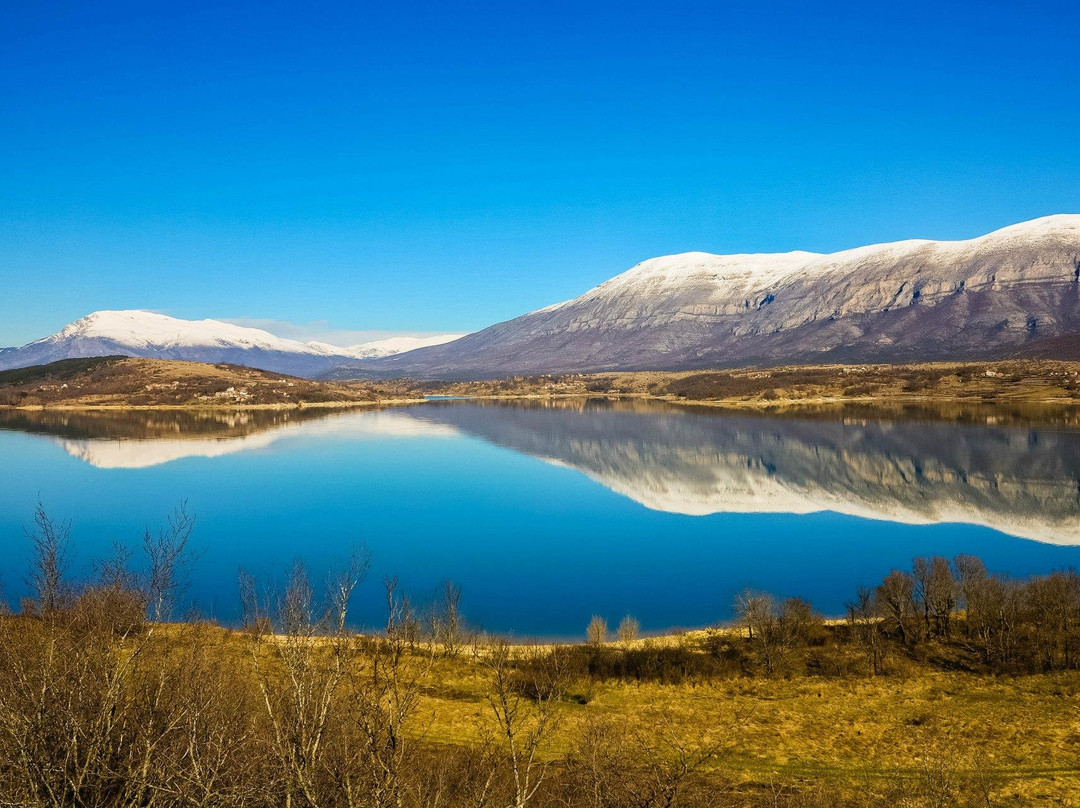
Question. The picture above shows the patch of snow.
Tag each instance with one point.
(396, 345)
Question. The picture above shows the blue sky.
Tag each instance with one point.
(379, 167)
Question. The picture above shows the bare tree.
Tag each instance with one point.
(300, 675)
(597, 631)
(993, 619)
(599, 764)
(864, 623)
(115, 572)
(753, 610)
(895, 597)
(920, 576)
(944, 593)
(651, 763)
(169, 557)
(50, 540)
(385, 683)
(970, 573)
(401, 620)
(343, 581)
(935, 591)
(1053, 612)
(628, 630)
(217, 754)
(524, 698)
(777, 631)
(255, 607)
(672, 759)
(78, 697)
(447, 625)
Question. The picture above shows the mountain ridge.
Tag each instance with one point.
(913, 300)
(150, 335)
(1011, 293)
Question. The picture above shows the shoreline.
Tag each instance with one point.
(1006, 385)
(733, 403)
(320, 405)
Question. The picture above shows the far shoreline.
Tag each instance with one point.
(1011, 387)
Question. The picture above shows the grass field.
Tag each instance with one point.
(841, 734)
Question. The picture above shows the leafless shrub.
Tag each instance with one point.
(100, 705)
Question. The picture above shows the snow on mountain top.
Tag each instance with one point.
(324, 348)
(1064, 226)
(1067, 224)
(145, 330)
(763, 267)
(395, 345)
(747, 273)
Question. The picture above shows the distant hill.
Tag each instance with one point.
(157, 336)
(1014, 292)
(126, 381)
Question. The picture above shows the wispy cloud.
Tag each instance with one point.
(322, 331)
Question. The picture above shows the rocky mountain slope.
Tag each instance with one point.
(1013, 292)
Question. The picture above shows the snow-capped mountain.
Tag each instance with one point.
(395, 345)
(146, 334)
(1012, 292)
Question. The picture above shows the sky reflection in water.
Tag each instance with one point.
(548, 513)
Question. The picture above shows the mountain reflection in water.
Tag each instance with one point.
(1020, 481)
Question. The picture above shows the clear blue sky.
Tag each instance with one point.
(433, 167)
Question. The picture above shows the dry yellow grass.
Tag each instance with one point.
(1023, 731)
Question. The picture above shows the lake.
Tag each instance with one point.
(546, 513)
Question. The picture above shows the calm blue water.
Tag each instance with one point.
(547, 514)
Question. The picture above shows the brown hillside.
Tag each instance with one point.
(131, 382)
